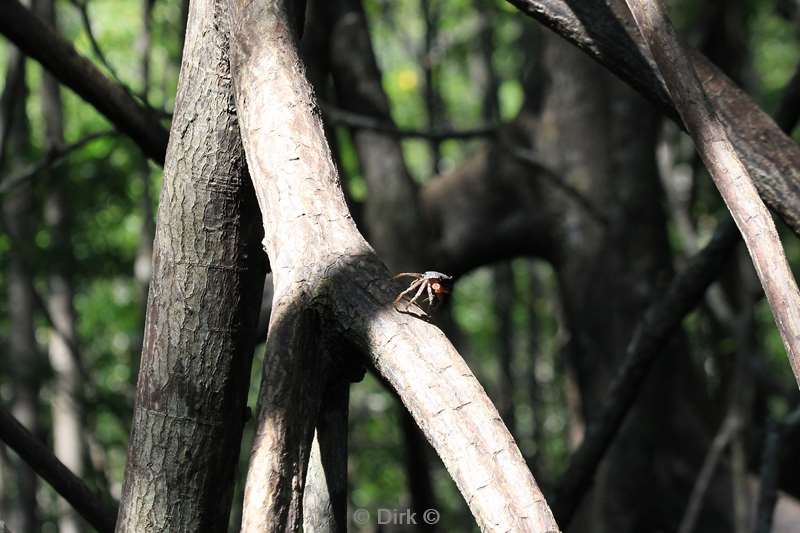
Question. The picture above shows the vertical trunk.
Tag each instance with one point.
(325, 503)
(430, 16)
(202, 308)
(601, 137)
(67, 402)
(23, 354)
(143, 264)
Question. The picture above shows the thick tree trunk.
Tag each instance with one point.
(601, 138)
(325, 272)
(67, 402)
(203, 305)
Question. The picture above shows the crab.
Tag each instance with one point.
(435, 283)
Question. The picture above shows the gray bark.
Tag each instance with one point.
(325, 500)
(203, 305)
(395, 224)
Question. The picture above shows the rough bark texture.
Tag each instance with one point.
(395, 224)
(728, 172)
(203, 305)
(606, 31)
(319, 259)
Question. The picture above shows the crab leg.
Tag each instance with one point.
(424, 283)
(430, 295)
(411, 287)
(407, 275)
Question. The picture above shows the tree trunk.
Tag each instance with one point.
(324, 272)
(24, 359)
(203, 305)
(68, 400)
(601, 138)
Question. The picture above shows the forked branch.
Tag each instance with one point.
(320, 261)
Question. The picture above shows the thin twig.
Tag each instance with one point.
(532, 159)
(83, 9)
(342, 117)
(730, 426)
(51, 159)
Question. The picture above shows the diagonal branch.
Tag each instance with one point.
(727, 170)
(37, 40)
(659, 322)
(605, 30)
(99, 512)
(661, 319)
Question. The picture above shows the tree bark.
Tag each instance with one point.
(395, 224)
(325, 501)
(322, 265)
(202, 308)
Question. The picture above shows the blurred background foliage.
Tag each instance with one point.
(107, 189)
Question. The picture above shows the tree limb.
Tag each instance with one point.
(728, 172)
(605, 30)
(319, 260)
(37, 40)
(660, 320)
(98, 511)
(202, 307)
